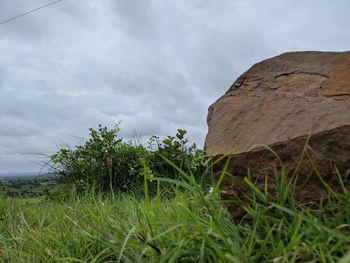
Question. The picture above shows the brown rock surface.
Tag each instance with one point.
(279, 102)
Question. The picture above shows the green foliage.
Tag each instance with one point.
(193, 226)
(2, 189)
(109, 163)
(61, 193)
(174, 151)
(104, 160)
(27, 186)
(3, 206)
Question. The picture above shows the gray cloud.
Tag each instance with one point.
(155, 65)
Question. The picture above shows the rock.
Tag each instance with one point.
(281, 102)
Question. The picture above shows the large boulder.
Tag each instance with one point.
(281, 103)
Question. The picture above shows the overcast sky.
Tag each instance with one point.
(155, 65)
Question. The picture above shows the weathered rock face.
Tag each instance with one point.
(279, 102)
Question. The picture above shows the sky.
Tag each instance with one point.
(154, 65)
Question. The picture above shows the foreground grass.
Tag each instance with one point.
(191, 226)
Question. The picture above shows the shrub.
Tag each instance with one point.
(174, 151)
(104, 160)
(109, 163)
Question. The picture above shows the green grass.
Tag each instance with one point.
(190, 226)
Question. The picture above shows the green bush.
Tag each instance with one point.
(107, 162)
(104, 160)
(173, 152)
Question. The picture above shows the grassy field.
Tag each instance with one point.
(191, 225)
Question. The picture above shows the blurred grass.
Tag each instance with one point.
(191, 225)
